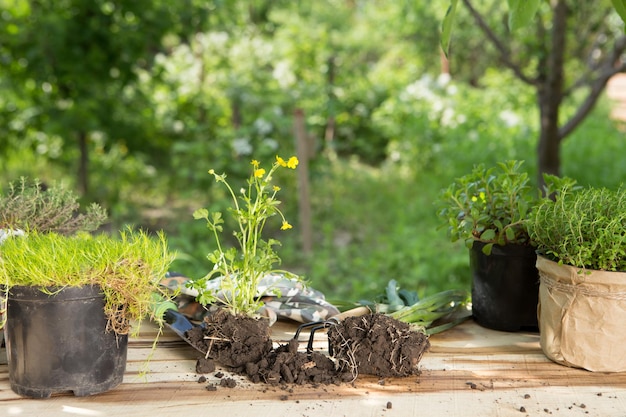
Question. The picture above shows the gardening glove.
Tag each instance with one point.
(295, 300)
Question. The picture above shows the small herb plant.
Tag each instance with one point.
(584, 227)
(489, 206)
(242, 268)
(127, 269)
(29, 205)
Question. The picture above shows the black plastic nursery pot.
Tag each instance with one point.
(505, 287)
(58, 342)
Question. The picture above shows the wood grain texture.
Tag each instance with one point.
(469, 371)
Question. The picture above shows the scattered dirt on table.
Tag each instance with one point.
(286, 364)
(374, 344)
(205, 366)
(228, 383)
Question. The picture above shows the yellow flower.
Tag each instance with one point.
(285, 225)
(259, 172)
(276, 188)
(481, 195)
(281, 161)
(292, 163)
(254, 163)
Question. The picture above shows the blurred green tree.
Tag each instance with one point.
(70, 69)
(565, 50)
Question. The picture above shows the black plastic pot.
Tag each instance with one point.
(58, 342)
(505, 287)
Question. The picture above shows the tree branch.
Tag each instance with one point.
(605, 65)
(612, 65)
(505, 56)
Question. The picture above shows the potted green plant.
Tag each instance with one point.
(581, 240)
(31, 205)
(487, 209)
(71, 299)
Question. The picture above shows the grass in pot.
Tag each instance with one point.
(28, 204)
(71, 299)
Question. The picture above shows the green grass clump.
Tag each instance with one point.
(128, 269)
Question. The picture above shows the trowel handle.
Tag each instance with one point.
(353, 312)
(159, 305)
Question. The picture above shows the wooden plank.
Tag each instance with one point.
(468, 371)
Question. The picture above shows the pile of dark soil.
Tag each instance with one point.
(373, 344)
(287, 364)
(377, 344)
(233, 341)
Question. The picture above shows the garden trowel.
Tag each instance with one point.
(167, 311)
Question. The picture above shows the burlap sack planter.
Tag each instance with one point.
(582, 316)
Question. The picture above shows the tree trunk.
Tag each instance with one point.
(236, 113)
(550, 79)
(83, 163)
(329, 132)
(550, 93)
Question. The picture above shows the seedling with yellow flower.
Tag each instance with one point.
(241, 268)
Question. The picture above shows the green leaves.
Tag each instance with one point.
(446, 26)
(521, 12)
(583, 227)
(242, 267)
(201, 213)
(620, 8)
(489, 205)
(27, 206)
(436, 312)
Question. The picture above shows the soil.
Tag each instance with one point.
(373, 344)
(377, 344)
(233, 341)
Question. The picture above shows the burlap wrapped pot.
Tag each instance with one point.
(582, 314)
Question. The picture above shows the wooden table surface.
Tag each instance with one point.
(469, 371)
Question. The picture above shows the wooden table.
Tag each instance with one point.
(469, 371)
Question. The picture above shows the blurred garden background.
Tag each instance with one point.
(131, 102)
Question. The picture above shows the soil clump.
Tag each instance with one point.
(376, 344)
(373, 344)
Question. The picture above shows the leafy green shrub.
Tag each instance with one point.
(489, 205)
(585, 228)
(28, 205)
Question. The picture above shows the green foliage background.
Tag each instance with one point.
(164, 91)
